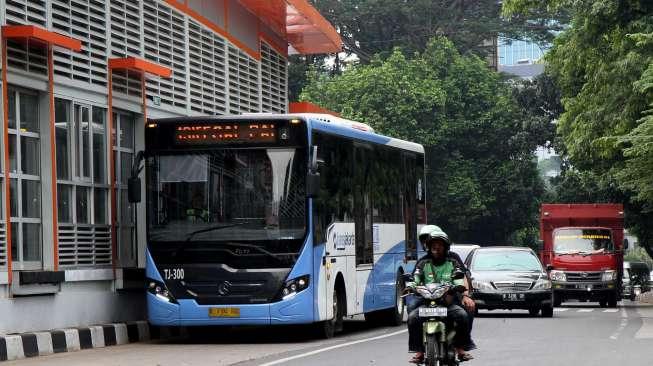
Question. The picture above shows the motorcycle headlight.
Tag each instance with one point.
(440, 292)
(609, 276)
(558, 276)
(482, 285)
(294, 286)
(542, 284)
(160, 290)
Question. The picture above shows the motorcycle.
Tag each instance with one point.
(437, 337)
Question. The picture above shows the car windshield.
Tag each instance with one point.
(582, 241)
(508, 260)
(226, 195)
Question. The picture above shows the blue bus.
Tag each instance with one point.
(277, 219)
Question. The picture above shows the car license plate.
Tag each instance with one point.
(224, 312)
(513, 297)
(432, 312)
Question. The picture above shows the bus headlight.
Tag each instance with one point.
(160, 290)
(294, 286)
(609, 276)
(558, 276)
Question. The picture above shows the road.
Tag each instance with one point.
(579, 334)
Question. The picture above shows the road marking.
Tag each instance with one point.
(585, 310)
(622, 326)
(283, 360)
(560, 309)
(611, 310)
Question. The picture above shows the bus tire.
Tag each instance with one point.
(395, 315)
(327, 329)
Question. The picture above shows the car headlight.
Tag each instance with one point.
(609, 276)
(558, 276)
(481, 285)
(542, 284)
(294, 286)
(160, 290)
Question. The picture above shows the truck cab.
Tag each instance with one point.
(583, 250)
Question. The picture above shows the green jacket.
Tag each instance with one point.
(427, 272)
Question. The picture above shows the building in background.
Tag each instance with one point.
(520, 58)
(79, 80)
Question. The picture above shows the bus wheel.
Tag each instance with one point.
(327, 329)
(395, 315)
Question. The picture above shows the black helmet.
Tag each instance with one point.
(441, 235)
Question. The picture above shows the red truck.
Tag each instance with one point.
(582, 247)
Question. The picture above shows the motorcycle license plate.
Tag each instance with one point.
(513, 297)
(432, 312)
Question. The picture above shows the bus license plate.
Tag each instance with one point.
(432, 312)
(224, 312)
(513, 297)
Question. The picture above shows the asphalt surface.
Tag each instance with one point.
(579, 334)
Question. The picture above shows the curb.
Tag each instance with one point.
(19, 346)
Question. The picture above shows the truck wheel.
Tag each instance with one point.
(603, 303)
(612, 300)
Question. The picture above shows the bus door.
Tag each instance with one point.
(410, 205)
(363, 229)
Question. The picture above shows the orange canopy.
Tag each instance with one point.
(299, 22)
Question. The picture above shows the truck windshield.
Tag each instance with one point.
(226, 195)
(582, 241)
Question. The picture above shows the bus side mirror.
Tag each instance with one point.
(313, 177)
(625, 244)
(134, 189)
(549, 268)
(134, 182)
(312, 184)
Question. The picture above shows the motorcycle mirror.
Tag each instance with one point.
(458, 274)
(407, 277)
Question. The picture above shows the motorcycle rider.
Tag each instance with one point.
(436, 267)
(465, 301)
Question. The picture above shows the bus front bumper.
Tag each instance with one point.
(295, 310)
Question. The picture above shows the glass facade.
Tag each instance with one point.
(514, 52)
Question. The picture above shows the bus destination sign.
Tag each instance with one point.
(225, 133)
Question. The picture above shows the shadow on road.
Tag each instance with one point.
(266, 334)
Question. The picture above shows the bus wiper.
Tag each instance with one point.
(182, 247)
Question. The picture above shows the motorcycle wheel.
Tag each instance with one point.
(431, 351)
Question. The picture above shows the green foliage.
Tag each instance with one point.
(638, 255)
(483, 181)
(376, 27)
(604, 66)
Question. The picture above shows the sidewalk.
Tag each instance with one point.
(19, 346)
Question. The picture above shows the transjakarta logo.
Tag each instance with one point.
(342, 240)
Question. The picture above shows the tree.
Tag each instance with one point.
(604, 66)
(483, 183)
(376, 27)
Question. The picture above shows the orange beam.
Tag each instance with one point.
(138, 64)
(40, 34)
(308, 107)
(5, 100)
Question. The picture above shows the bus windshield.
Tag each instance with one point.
(582, 241)
(240, 195)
